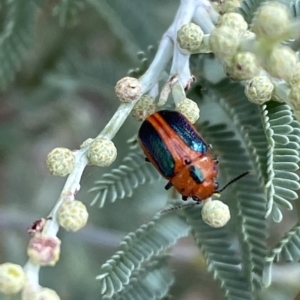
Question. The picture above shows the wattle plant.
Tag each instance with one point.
(232, 69)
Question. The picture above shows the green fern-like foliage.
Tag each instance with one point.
(286, 250)
(248, 207)
(68, 11)
(283, 157)
(295, 8)
(248, 9)
(152, 281)
(122, 181)
(221, 259)
(249, 197)
(15, 37)
(149, 241)
(247, 145)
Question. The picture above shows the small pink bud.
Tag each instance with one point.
(44, 250)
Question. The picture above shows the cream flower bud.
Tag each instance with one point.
(143, 108)
(12, 278)
(87, 142)
(189, 38)
(44, 250)
(281, 63)
(189, 109)
(205, 45)
(215, 213)
(234, 21)
(72, 215)
(259, 89)
(128, 89)
(102, 152)
(296, 75)
(60, 161)
(294, 97)
(244, 65)
(224, 42)
(230, 5)
(43, 294)
(248, 35)
(271, 21)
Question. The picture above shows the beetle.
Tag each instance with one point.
(176, 149)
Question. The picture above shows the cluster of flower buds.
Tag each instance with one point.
(294, 94)
(13, 280)
(226, 6)
(143, 108)
(41, 293)
(256, 56)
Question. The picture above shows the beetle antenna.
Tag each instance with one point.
(182, 206)
(232, 181)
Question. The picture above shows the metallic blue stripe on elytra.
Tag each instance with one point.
(196, 174)
(183, 128)
(157, 149)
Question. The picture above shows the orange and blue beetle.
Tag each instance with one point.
(173, 145)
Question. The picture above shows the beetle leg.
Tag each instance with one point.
(216, 185)
(147, 159)
(196, 198)
(168, 185)
(209, 146)
(184, 198)
(216, 160)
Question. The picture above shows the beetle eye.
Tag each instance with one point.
(187, 161)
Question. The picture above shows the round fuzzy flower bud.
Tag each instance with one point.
(294, 97)
(60, 161)
(234, 21)
(189, 109)
(143, 108)
(259, 89)
(44, 250)
(215, 213)
(224, 42)
(72, 215)
(87, 142)
(12, 278)
(271, 21)
(205, 45)
(128, 89)
(248, 35)
(296, 75)
(189, 37)
(230, 5)
(244, 65)
(43, 294)
(281, 63)
(102, 152)
(216, 5)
